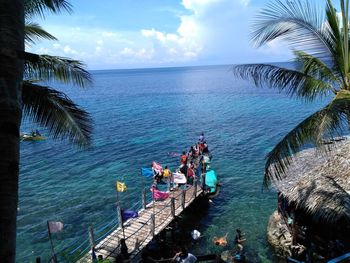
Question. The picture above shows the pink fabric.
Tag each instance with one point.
(159, 195)
(157, 166)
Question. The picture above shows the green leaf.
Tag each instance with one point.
(34, 31)
(53, 68)
(57, 112)
(293, 82)
(39, 7)
(316, 68)
(326, 122)
(297, 22)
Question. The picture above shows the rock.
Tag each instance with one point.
(278, 235)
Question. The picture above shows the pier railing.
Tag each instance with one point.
(155, 216)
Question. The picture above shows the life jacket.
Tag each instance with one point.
(183, 159)
(166, 173)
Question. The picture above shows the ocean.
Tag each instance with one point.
(141, 115)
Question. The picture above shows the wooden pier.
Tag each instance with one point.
(151, 221)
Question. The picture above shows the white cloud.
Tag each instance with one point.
(127, 51)
(198, 6)
(68, 50)
(171, 46)
(274, 48)
(141, 53)
(108, 34)
(209, 32)
(43, 50)
(56, 46)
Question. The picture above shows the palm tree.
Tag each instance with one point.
(320, 43)
(11, 74)
(20, 93)
(43, 104)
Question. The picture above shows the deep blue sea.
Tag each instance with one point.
(139, 116)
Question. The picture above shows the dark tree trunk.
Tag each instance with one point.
(11, 74)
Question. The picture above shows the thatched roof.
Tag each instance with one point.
(319, 183)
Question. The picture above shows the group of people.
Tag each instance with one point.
(183, 256)
(160, 173)
(238, 241)
(198, 155)
(200, 148)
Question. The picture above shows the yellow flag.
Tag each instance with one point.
(121, 187)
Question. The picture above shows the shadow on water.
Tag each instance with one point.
(178, 234)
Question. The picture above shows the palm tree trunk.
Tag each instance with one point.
(11, 75)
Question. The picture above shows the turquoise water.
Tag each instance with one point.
(139, 116)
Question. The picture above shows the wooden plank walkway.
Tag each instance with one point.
(139, 231)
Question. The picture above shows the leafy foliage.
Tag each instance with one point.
(34, 31)
(327, 121)
(49, 68)
(293, 82)
(42, 104)
(321, 48)
(39, 7)
(56, 111)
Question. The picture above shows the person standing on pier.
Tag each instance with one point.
(201, 138)
(183, 158)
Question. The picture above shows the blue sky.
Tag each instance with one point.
(110, 34)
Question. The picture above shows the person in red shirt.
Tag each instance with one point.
(183, 158)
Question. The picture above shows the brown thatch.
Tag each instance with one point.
(319, 183)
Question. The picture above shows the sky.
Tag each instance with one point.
(116, 34)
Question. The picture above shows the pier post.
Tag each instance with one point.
(203, 181)
(153, 224)
(144, 198)
(183, 198)
(195, 187)
(92, 239)
(120, 219)
(119, 214)
(172, 204)
(53, 257)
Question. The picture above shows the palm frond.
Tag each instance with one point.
(39, 7)
(57, 112)
(316, 68)
(331, 29)
(345, 36)
(50, 68)
(325, 122)
(33, 31)
(297, 22)
(293, 82)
